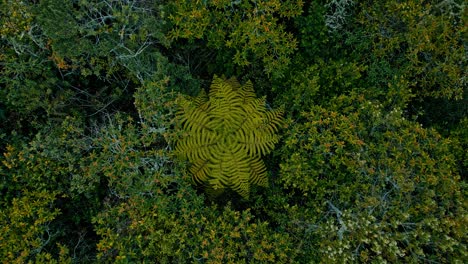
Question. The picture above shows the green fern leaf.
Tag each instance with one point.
(258, 172)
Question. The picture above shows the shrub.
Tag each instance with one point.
(25, 232)
(249, 31)
(383, 187)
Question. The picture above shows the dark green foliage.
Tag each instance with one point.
(312, 33)
(102, 38)
(178, 227)
(316, 83)
(372, 166)
(460, 136)
(84, 57)
(383, 187)
(76, 165)
(247, 31)
(419, 42)
(29, 83)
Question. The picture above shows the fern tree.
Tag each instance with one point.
(225, 133)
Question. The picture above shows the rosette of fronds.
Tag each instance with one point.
(225, 134)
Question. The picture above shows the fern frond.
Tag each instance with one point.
(196, 148)
(255, 145)
(225, 110)
(235, 85)
(272, 121)
(200, 99)
(218, 86)
(258, 172)
(247, 92)
(196, 121)
(200, 171)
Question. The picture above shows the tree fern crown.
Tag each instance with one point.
(225, 134)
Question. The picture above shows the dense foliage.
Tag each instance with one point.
(101, 101)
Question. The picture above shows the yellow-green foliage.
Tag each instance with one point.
(25, 231)
(378, 188)
(423, 39)
(226, 135)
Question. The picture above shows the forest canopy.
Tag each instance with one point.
(219, 131)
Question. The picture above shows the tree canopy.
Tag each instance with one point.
(338, 131)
